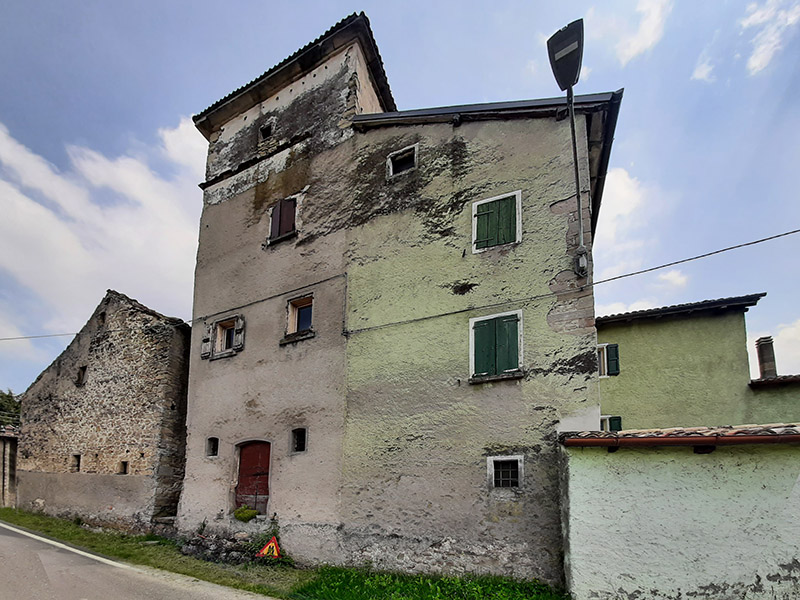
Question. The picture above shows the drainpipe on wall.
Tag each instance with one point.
(766, 357)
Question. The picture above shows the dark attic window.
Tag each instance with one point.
(102, 318)
(266, 131)
(401, 161)
(299, 439)
(80, 378)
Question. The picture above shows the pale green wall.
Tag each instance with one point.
(690, 370)
(665, 523)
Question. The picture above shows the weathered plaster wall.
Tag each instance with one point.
(687, 371)
(666, 523)
(131, 407)
(415, 494)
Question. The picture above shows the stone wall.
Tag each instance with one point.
(103, 426)
(8, 466)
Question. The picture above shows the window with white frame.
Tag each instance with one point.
(608, 359)
(497, 221)
(495, 346)
(505, 471)
(610, 423)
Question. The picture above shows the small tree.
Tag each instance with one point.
(9, 408)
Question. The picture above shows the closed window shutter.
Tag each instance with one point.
(507, 343)
(484, 340)
(288, 206)
(238, 334)
(615, 423)
(612, 357)
(205, 348)
(486, 229)
(506, 220)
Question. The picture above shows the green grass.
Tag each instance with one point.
(324, 583)
(334, 583)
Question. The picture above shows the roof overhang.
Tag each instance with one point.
(354, 28)
(602, 110)
(694, 436)
(720, 305)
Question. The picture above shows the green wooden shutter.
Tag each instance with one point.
(486, 230)
(507, 343)
(506, 220)
(612, 357)
(615, 423)
(484, 341)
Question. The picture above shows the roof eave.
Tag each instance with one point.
(741, 303)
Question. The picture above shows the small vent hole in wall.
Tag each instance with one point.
(266, 131)
(75, 463)
(102, 318)
(122, 469)
(80, 378)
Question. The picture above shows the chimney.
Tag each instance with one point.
(766, 357)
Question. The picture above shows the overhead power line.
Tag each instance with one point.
(615, 278)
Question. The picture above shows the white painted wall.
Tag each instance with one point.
(663, 523)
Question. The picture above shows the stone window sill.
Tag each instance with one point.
(298, 337)
(223, 354)
(475, 379)
(280, 238)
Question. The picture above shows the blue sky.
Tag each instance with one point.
(99, 161)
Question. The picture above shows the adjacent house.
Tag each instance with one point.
(103, 427)
(388, 329)
(687, 365)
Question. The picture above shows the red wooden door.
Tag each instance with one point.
(253, 486)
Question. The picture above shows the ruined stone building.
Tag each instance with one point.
(103, 427)
(387, 328)
(8, 467)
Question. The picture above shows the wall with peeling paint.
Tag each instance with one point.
(664, 523)
(415, 490)
(690, 370)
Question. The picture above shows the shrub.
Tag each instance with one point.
(245, 514)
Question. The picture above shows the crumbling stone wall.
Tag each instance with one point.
(103, 427)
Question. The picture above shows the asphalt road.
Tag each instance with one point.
(33, 568)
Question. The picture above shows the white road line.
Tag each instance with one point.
(70, 548)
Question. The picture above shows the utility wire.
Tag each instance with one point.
(528, 299)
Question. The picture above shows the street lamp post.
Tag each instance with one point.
(565, 49)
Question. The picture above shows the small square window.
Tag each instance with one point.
(266, 130)
(299, 440)
(401, 161)
(505, 471)
(608, 359)
(282, 220)
(75, 463)
(122, 468)
(80, 378)
(496, 221)
(212, 446)
(300, 312)
(496, 347)
(223, 338)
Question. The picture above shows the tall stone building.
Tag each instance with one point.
(387, 329)
(103, 427)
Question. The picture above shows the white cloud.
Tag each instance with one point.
(585, 72)
(531, 67)
(632, 38)
(106, 223)
(772, 22)
(703, 68)
(786, 342)
(615, 308)
(673, 279)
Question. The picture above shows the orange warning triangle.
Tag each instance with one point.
(271, 550)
